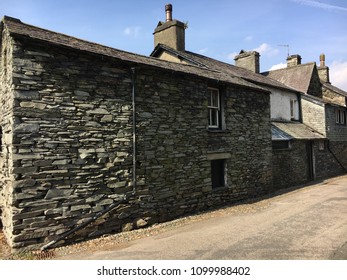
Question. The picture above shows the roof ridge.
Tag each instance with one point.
(17, 27)
(70, 36)
(287, 68)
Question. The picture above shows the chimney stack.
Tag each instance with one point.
(171, 32)
(168, 10)
(248, 60)
(293, 60)
(322, 60)
(323, 71)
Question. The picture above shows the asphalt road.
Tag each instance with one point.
(308, 223)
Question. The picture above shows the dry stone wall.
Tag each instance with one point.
(72, 154)
(6, 124)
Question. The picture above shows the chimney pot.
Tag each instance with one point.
(323, 70)
(322, 60)
(168, 10)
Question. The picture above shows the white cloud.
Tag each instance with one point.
(231, 56)
(267, 50)
(202, 51)
(278, 66)
(320, 5)
(132, 31)
(338, 74)
(249, 38)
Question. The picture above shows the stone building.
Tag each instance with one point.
(96, 140)
(323, 109)
(297, 147)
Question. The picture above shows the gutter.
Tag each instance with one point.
(126, 195)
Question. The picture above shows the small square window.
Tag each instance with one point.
(281, 145)
(218, 173)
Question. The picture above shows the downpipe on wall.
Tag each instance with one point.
(126, 195)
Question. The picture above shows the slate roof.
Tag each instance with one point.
(22, 30)
(293, 130)
(216, 65)
(335, 89)
(297, 77)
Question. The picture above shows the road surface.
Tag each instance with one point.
(307, 223)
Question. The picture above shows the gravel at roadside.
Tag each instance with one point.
(123, 238)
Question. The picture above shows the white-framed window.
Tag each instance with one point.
(292, 108)
(340, 116)
(214, 109)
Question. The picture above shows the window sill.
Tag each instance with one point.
(212, 130)
(220, 189)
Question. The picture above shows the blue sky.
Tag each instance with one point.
(219, 29)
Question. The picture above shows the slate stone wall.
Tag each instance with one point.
(328, 160)
(6, 124)
(290, 166)
(72, 151)
(335, 132)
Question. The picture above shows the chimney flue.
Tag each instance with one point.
(322, 60)
(168, 10)
(323, 70)
(293, 60)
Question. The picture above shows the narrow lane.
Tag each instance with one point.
(309, 223)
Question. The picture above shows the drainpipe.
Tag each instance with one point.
(133, 84)
(127, 195)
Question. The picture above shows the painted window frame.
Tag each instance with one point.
(214, 109)
(292, 108)
(340, 117)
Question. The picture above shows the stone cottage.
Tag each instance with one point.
(95, 140)
(323, 109)
(298, 156)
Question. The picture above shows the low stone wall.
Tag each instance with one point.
(339, 151)
(291, 166)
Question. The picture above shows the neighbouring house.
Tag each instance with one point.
(297, 147)
(95, 140)
(323, 109)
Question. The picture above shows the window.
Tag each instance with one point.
(340, 116)
(217, 173)
(281, 145)
(214, 109)
(292, 108)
